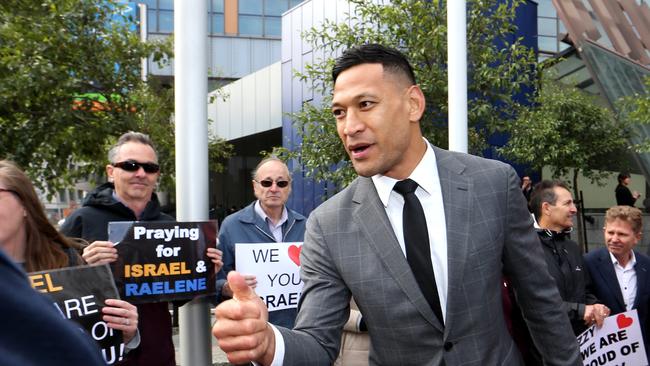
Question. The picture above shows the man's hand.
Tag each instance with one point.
(100, 252)
(242, 330)
(636, 195)
(217, 258)
(596, 314)
(251, 281)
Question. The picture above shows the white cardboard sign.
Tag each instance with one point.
(618, 342)
(276, 267)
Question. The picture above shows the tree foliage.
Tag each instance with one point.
(567, 129)
(499, 67)
(70, 84)
(635, 110)
(570, 132)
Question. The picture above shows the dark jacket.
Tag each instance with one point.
(90, 222)
(624, 196)
(33, 332)
(566, 266)
(246, 226)
(606, 287)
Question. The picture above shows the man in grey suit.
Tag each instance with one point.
(355, 245)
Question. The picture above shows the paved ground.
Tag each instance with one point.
(218, 357)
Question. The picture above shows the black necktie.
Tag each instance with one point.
(416, 241)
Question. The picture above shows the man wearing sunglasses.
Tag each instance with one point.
(264, 221)
(128, 195)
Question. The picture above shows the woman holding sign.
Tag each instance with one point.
(30, 240)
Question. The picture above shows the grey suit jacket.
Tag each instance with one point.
(351, 249)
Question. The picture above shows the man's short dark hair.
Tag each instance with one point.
(544, 191)
(622, 177)
(391, 59)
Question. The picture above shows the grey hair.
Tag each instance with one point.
(130, 136)
(266, 160)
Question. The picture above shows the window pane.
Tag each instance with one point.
(273, 26)
(548, 44)
(217, 6)
(250, 25)
(250, 7)
(166, 4)
(152, 21)
(275, 7)
(217, 23)
(545, 9)
(546, 27)
(166, 21)
(151, 4)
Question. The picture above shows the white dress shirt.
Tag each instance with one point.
(626, 280)
(276, 229)
(429, 193)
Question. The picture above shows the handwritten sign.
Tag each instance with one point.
(79, 293)
(617, 342)
(163, 261)
(276, 267)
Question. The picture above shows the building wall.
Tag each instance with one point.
(296, 53)
(243, 36)
(252, 105)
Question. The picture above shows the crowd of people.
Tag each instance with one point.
(429, 257)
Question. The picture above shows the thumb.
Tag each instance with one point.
(240, 290)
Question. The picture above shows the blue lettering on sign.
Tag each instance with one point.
(165, 287)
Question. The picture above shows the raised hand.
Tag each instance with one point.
(242, 329)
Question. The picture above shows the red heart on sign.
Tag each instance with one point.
(623, 321)
(294, 254)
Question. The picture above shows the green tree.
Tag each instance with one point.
(70, 84)
(499, 67)
(569, 131)
(635, 109)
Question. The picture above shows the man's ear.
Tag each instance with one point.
(545, 208)
(109, 172)
(417, 103)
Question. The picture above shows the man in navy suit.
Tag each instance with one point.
(619, 274)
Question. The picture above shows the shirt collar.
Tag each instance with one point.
(259, 211)
(424, 175)
(632, 261)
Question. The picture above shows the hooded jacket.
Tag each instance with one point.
(90, 223)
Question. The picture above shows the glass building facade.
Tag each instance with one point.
(549, 26)
(254, 18)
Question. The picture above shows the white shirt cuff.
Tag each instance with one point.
(278, 357)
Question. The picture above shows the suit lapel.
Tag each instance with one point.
(641, 278)
(374, 223)
(606, 270)
(456, 199)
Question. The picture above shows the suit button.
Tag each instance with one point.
(448, 346)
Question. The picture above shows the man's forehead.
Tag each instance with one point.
(136, 151)
(272, 168)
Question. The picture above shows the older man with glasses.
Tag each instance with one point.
(265, 220)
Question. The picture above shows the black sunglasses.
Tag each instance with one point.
(133, 166)
(266, 183)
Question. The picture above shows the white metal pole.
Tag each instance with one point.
(144, 62)
(191, 90)
(457, 73)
